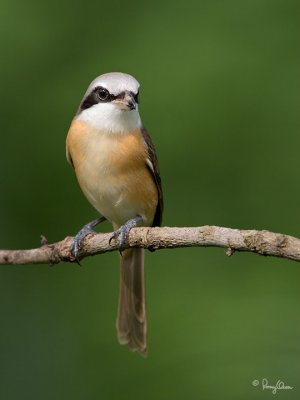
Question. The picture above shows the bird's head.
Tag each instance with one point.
(111, 103)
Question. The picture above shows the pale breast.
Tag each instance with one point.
(112, 172)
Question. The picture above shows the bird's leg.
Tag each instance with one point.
(77, 242)
(122, 233)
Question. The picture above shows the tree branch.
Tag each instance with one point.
(261, 242)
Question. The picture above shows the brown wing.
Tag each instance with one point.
(154, 168)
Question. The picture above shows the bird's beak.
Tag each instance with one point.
(129, 99)
(126, 102)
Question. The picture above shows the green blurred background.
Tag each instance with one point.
(220, 96)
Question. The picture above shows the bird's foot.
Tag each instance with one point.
(78, 239)
(122, 233)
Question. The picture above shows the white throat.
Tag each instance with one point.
(107, 117)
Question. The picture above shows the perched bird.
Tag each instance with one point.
(116, 167)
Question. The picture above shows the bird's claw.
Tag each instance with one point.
(120, 236)
(78, 241)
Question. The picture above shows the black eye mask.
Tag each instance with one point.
(102, 95)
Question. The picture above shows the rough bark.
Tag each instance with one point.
(261, 242)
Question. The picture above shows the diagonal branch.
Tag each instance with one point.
(261, 242)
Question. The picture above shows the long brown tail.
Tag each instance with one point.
(131, 319)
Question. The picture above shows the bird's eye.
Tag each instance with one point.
(103, 94)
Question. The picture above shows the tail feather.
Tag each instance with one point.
(131, 319)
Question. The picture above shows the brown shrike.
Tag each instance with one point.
(116, 166)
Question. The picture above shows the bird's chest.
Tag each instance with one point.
(106, 165)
